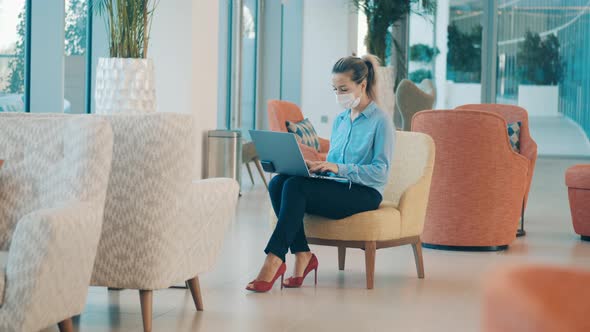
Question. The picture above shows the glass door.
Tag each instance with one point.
(243, 87)
(544, 66)
(13, 36)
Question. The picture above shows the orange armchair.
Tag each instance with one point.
(528, 146)
(478, 181)
(279, 112)
(536, 298)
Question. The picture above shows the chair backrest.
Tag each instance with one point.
(49, 161)
(413, 157)
(279, 112)
(477, 175)
(510, 113)
(411, 100)
(427, 85)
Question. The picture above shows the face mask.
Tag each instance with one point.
(348, 100)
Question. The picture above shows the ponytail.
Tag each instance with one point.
(372, 63)
(360, 69)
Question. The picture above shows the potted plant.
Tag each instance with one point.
(540, 71)
(422, 56)
(463, 66)
(382, 17)
(125, 80)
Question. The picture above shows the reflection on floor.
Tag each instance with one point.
(559, 136)
(447, 300)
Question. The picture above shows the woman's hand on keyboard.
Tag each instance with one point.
(322, 167)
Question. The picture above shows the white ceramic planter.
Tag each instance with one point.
(539, 100)
(458, 94)
(125, 86)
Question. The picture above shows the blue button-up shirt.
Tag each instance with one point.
(363, 148)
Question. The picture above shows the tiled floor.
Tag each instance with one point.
(559, 136)
(447, 300)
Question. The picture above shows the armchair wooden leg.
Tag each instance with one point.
(66, 325)
(195, 287)
(370, 252)
(418, 258)
(341, 258)
(250, 172)
(146, 297)
(261, 171)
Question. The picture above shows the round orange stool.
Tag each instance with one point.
(537, 299)
(577, 179)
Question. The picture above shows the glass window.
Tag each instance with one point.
(12, 55)
(248, 66)
(543, 66)
(447, 49)
(76, 16)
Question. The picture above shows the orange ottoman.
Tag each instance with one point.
(577, 178)
(537, 299)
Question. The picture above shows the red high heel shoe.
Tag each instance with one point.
(260, 286)
(312, 265)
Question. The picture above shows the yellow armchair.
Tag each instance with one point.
(400, 218)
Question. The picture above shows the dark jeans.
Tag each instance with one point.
(293, 196)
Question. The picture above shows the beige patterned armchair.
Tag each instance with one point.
(52, 193)
(161, 227)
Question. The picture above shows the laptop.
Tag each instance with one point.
(280, 153)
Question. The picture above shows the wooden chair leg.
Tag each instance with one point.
(250, 172)
(146, 298)
(195, 287)
(66, 325)
(418, 258)
(370, 252)
(341, 258)
(261, 171)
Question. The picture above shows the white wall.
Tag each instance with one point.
(184, 46)
(325, 40)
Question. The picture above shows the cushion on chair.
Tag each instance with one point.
(305, 133)
(3, 260)
(378, 225)
(514, 135)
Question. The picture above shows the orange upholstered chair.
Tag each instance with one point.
(537, 299)
(528, 146)
(279, 112)
(577, 179)
(478, 181)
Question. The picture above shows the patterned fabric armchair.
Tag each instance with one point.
(52, 194)
(279, 112)
(478, 181)
(160, 228)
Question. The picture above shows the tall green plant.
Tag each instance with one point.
(539, 61)
(128, 25)
(16, 66)
(383, 14)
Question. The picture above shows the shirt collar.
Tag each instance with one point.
(370, 110)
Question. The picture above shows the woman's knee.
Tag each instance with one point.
(295, 183)
(277, 182)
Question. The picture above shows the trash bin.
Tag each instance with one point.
(224, 154)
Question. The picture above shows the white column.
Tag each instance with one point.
(442, 23)
(47, 56)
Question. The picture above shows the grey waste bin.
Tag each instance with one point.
(224, 156)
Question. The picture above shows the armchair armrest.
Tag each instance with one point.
(214, 203)
(49, 264)
(324, 145)
(413, 204)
